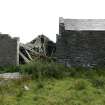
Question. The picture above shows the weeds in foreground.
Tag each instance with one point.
(70, 86)
(80, 84)
(98, 82)
(44, 69)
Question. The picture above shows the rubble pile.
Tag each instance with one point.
(38, 47)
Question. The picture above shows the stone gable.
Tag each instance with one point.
(9, 50)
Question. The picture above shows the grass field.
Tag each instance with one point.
(66, 91)
(53, 84)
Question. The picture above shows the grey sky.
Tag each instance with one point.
(28, 18)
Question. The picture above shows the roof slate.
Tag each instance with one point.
(83, 24)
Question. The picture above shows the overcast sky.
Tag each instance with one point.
(28, 18)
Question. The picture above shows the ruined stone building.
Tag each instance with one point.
(9, 50)
(42, 45)
(81, 42)
(12, 52)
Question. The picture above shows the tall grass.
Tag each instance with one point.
(11, 69)
(50, 86)
(40, 69)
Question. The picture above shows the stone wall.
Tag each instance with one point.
(81, 48)
(9, 50)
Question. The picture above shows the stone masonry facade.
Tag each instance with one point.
(81, 42)
(9, 50)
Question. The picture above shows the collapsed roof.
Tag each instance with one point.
(40, 46)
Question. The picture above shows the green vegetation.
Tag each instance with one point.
(53, 84)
